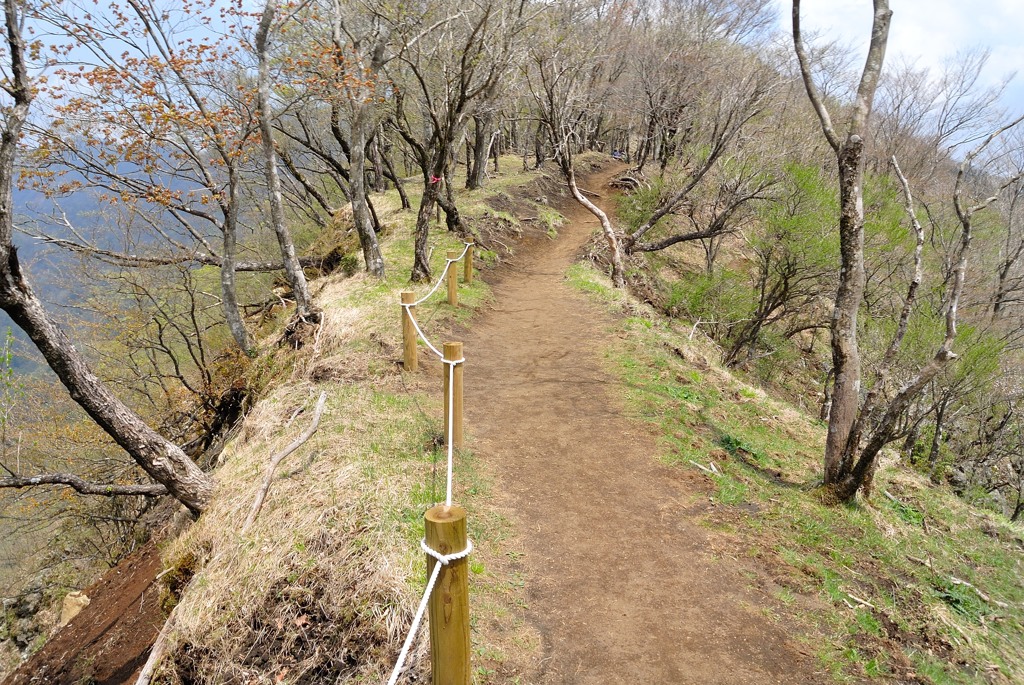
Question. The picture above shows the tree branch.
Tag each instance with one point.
(812, 90)
(131, 260)
(82, 486)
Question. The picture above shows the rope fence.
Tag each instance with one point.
(444, 525)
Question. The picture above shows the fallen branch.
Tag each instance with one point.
(862, 602)
(589, 192)
(886, 493)
(959, 581)
(957, 628)
(261, 495)
(924, 562)
(703, 468)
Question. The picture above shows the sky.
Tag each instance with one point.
(928, 31)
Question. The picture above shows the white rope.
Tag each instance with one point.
(415, 625)
(440, 279)
(451, 424)
(442, 561)
(446, 559)
(420, 332)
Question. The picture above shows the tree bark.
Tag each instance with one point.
(935, 449)
(481, 151)
(379, 177)
(446, 200)
(83, 487)
(389, 170)
(293, 271)
(229, 293)
(845, 350)
(421, 260)
(372, 257)
(538, 146)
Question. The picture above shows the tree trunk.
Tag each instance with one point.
(229, 294)
(934, 451)
(1002, 291)
(399, 185)
(826, 401)
(379, 177)
(538, 147)
(845, 350)
(446, 200)
(421, 263)
(910, 442)
(595, 133)
(293, 271)
(372, 257)
(496, 148)
(481, 150)
(614, 252)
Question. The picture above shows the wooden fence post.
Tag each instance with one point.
(453, 351)
(467, 277)
(408, 332)
(453, 279)
(448, 607)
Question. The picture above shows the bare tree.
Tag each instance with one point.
(155, 120)
(858, 430)
(700, 101)
(849, 157)
(441, 82)
(293, 270)
(565, 86)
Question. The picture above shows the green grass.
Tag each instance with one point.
(872, 585)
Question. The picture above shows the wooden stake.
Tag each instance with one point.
(448, 608)
(467, 277)
(453, 351)
(408, 332)
(453, 280)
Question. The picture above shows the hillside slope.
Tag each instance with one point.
(639, 514)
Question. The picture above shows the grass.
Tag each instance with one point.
(324, 584)
(876, 589)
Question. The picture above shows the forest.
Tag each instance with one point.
(177, 177)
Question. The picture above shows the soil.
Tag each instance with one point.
(109, 641)
(622, 583)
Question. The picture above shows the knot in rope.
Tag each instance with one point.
(446, 559)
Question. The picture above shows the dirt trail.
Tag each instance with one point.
(620, 581)
(109, 641)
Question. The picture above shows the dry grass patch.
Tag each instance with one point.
(323, 586)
